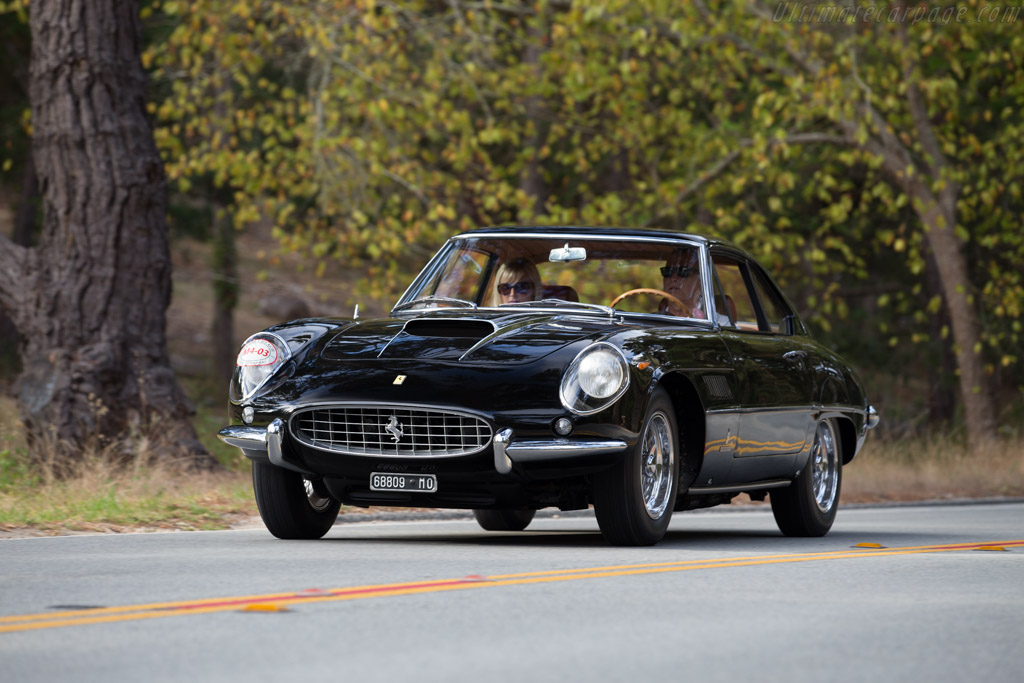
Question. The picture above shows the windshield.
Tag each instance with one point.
(630, 275)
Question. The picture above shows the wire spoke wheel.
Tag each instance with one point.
(317, 501)
(825, 466)
(290, 505)
(808, 506)
(634, 499)
(657, 465)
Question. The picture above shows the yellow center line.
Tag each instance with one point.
(29, 622)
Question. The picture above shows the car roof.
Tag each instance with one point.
(602, 231)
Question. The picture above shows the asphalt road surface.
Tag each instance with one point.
(725, 597)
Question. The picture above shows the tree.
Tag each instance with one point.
(90, 299)
(911, 95)
(828, 147)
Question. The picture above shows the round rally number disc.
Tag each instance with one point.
(257, 352)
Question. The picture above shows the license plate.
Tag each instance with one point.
(389, 481)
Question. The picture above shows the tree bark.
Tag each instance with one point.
(225, 295)
(979, 409)
(532, 179)
(90, 299)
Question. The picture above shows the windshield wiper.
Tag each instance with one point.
(434, 300)
(560, 302)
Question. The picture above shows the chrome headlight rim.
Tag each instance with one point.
(284, 356)
(571, 393)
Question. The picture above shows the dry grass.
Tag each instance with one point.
(104, 491)
(934, 468)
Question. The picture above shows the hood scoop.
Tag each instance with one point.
(450, 329)
(504, 339)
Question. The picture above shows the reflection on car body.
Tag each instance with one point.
(533, 367)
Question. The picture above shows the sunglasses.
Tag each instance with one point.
(681, 271)
(520, 288)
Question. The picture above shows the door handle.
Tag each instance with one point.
(796, 356)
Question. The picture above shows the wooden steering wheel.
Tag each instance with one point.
(659, 292)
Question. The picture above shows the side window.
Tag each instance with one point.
(735, 298)
(771, 304)
(462, 275)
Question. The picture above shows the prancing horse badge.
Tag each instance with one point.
(399, 380)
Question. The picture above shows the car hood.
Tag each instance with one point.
(480, 337)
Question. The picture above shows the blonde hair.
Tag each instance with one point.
(517, 270)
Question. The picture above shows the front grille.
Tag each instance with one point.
(390, 431)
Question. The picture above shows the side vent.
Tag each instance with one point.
(471, 329)
(717, 386)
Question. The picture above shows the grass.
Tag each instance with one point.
(104, 493)
(934, 467)
(148, 493)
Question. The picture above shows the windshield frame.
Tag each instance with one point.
(439, 260)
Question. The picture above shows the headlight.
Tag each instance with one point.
(261, 356)
(595, 379)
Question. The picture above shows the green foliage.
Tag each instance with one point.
(370, 131)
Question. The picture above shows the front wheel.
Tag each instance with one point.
(503, 520)
(291, 506)
(808, 506)
(634, 500)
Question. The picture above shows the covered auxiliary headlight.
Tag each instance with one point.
(261, 356)
(595, 379)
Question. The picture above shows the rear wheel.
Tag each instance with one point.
(634, 500)
(808, 506)
(291, 506)
(503, 520)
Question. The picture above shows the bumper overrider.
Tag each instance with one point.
(266, 444)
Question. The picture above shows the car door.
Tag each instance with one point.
(757, 327)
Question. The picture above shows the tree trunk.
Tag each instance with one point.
(225, 295)
(90, 299)
(531, 181)
(979, 409)
(24, 230)
(942, 387)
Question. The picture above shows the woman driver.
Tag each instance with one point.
(517, 280)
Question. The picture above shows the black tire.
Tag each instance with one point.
(634, 499)
(292, 507)
(504, 520)
(808, 506)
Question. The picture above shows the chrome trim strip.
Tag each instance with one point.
(787, 409)
(247, 438)
(502, 463)
(739, 488)
(683, 238)
(532, 451)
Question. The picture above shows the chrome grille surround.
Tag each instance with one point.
(361, 429)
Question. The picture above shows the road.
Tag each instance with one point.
(723, 598)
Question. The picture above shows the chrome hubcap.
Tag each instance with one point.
(825, 466)
(316, 501)
(657, 459)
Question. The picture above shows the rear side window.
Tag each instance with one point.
(736, 301)
(775, 313)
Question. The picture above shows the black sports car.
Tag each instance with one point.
(638, 371)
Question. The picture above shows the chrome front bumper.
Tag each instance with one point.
(507, 451)
(254, 441)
